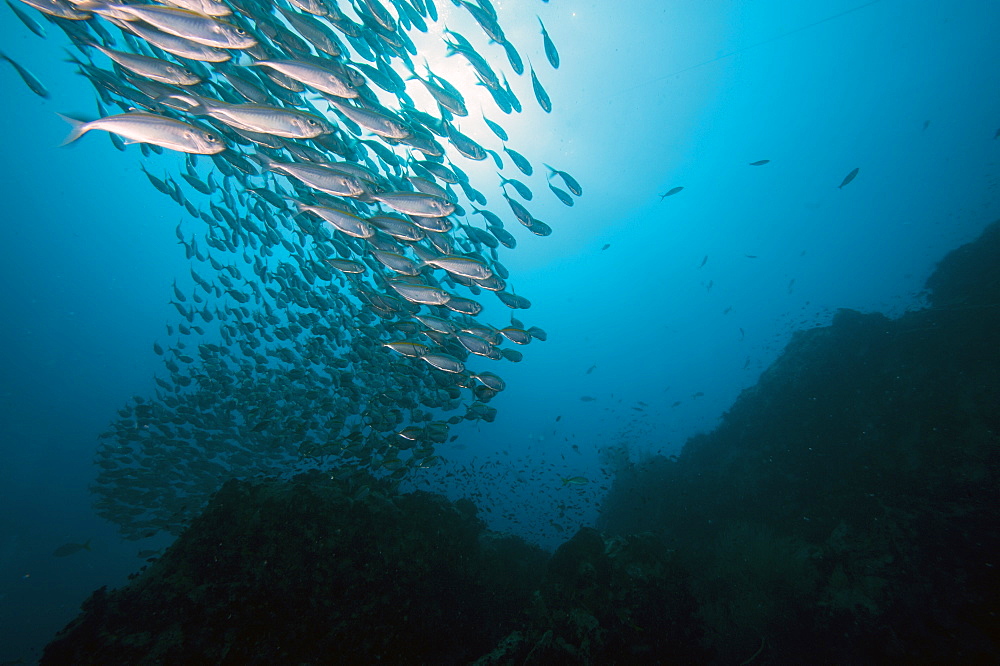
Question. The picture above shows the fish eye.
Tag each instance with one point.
(211, 138)
(312, 122)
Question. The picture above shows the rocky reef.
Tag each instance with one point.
(844, 512)
(305, 572)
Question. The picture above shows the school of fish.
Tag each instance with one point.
(339, 252)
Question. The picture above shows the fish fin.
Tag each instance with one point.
(79, 128)
(86, 544)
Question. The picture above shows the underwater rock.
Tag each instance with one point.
(301, 572)
(305, 571)
(970, 275)
(844, 511)
(847, 504)
(604, 601)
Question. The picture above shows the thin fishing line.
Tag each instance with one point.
(755, 45)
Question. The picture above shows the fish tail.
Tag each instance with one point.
(70, 58)
(86, 544)
(79, 128)
(262, 160)
(300, 208)
(197, 107)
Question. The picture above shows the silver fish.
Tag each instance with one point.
(378, 123)
(322, 178)
(187, 24)
(206, 7)
(173, 44)
(26, 76)
(152, 68)
(416, 203)
(320, 78)
(141, 127)
(463, 266)
(27, 20)
(352, 225)
(262, 118)
(420, 293)
(59, 9)
(444, 362)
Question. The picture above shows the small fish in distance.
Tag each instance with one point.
(550, 48)
(575, 480)
(540, 95)
(571, 183)
(29, 79)
(848, 178)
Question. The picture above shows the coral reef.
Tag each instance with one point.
(302, 572)
(844, 512)
(850, 499)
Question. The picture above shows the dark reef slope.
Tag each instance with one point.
(849, 500)
(299, 572)
(844, 512)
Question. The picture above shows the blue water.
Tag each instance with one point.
(648, 97)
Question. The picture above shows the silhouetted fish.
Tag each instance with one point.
(849, 177)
